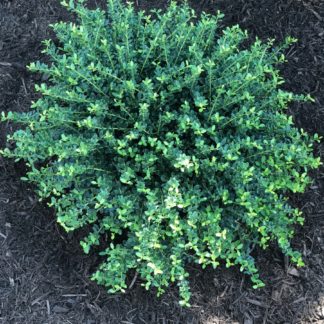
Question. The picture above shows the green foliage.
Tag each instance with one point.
(167, 140)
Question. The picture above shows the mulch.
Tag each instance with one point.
(44, 275)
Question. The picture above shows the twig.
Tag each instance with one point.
(24, 86)
(133, 281)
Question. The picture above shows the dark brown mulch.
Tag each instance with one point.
(43, 272)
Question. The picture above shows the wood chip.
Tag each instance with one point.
(293, 272)
(256, 303)
(48, 307)
(276, 295)
(299, 300)
(60, 309)
(248, 321)
(12, 282)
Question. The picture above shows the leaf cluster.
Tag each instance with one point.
(167, 139)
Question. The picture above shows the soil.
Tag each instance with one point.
(44, 275)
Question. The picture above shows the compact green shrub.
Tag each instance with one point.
(167, 140)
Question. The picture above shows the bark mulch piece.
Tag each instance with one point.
(44, 275)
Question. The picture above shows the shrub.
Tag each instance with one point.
(167, 140)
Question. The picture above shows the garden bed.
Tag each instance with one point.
(43, 271)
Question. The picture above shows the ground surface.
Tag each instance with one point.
(43, 272)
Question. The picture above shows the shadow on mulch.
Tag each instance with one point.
(43, 272)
